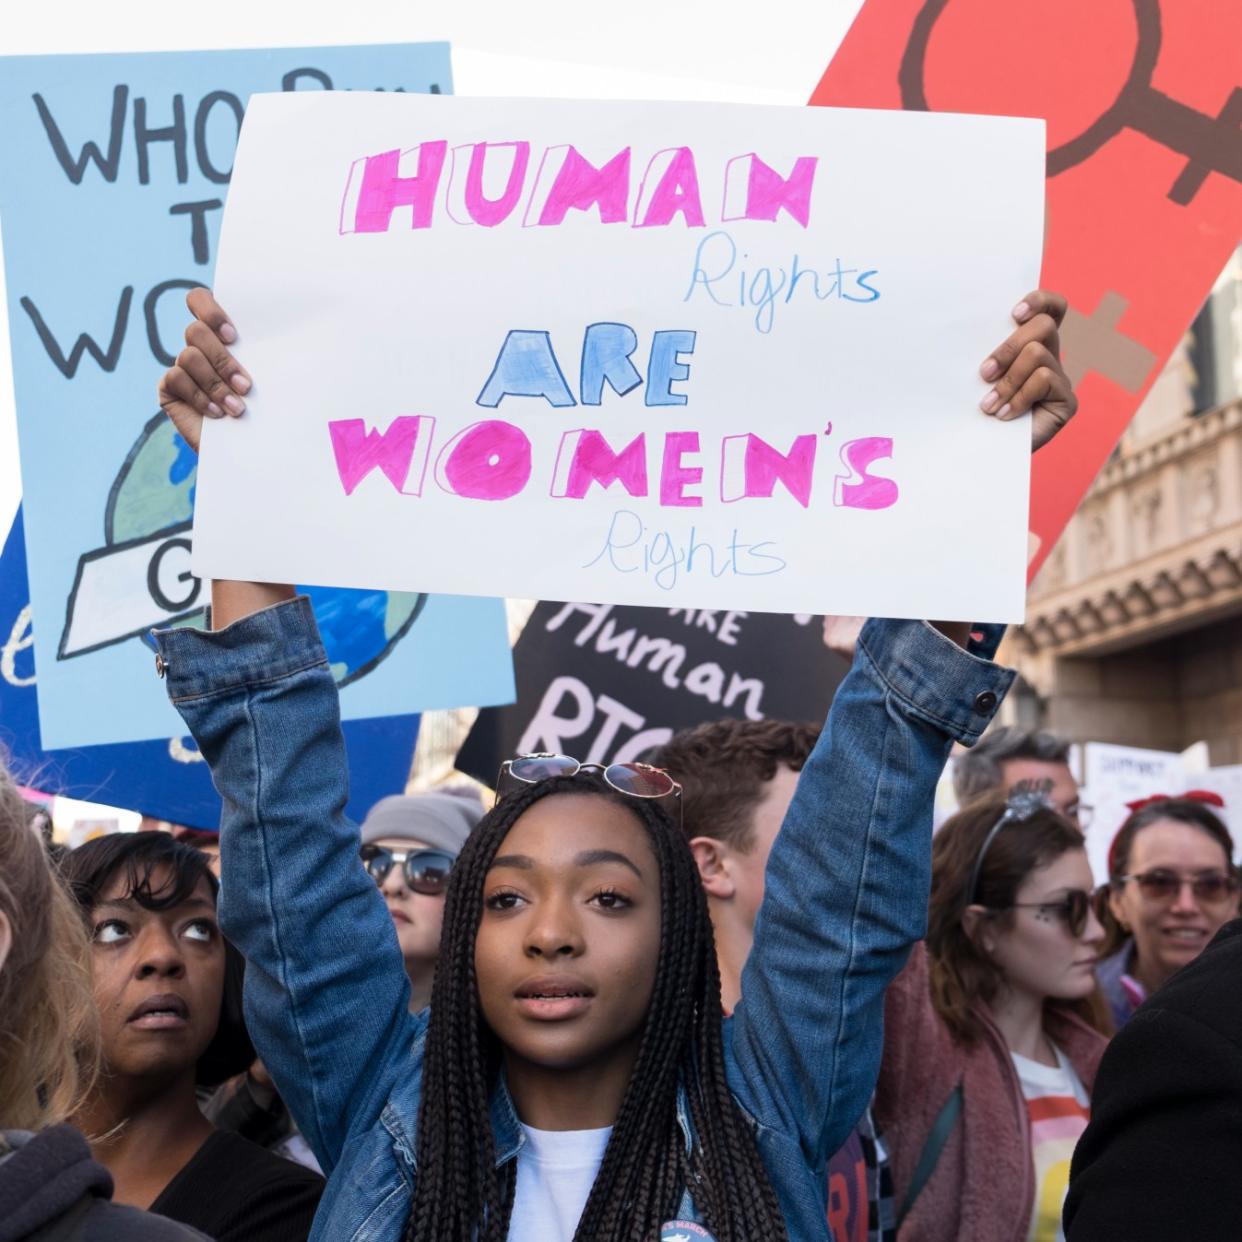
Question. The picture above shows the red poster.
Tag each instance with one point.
(1143, 100)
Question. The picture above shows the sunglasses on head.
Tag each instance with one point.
(425, 871)
(1211, 888)
(636, 780)
(1072, 909)
(1025, 799)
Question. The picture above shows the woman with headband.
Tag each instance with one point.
(1172, 885)
(991, 1034)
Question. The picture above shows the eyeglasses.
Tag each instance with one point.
(425, 871)
(635, 780)
(1082, 815)
(1211, 888)
(1072, 909)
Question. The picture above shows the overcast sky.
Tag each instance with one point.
(644, 49)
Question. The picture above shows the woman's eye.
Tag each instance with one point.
(609, 899)
(502, 901)
(110, 931)
(202, 930)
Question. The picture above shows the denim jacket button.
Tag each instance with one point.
(985, 702)
(160, 667)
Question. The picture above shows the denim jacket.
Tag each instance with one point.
(326, 992)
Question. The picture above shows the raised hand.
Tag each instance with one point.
(1026, 371)
(206, 381)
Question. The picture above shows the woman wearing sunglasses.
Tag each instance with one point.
(1172, 886)
(992, 1036)
(573, 1076)
(409, 845)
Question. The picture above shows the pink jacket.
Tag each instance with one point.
(983, 1187)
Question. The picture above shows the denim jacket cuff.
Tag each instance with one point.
(954, 690)
(262, 647)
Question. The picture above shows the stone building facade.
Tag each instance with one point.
(1134, 623)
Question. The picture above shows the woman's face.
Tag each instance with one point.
(417, 917)
(1035, 949)
(570, 934)
(1171, 931)
(158, 979)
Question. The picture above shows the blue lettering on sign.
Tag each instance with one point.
(664, 556)
(725, 279)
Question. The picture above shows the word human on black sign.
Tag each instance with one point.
(607, 684)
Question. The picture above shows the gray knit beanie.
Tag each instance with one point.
(441, 820)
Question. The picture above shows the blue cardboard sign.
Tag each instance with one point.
(166, 779)
(113, 174)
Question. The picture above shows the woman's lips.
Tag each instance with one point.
(399, 916)
(553, 1008)
(165, 1011)
(550, 999)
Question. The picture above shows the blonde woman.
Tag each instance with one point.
(49, 1185)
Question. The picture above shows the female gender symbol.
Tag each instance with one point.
(1210, 144)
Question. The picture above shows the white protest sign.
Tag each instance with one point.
(1118, 775)
(1114, 776)
(663, 354)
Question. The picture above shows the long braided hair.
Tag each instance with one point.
(460, 1194)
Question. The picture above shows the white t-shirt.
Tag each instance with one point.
(1057, 1105)
(555, 1172)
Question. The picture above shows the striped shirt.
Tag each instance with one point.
(1057, 1106)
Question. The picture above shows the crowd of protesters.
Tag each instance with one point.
(737, 992)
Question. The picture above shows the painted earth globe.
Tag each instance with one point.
(155, 491)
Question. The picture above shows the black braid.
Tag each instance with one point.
(461, 1195)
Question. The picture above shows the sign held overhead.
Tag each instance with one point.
(655, 354)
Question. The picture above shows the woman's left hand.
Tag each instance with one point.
(1026, 371)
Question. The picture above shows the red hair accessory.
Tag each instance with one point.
(1205, 796)
(1192, 795)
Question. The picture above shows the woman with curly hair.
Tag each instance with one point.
(168, 988)
(49, 1033)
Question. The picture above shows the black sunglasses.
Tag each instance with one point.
(426, 871)
(1072, 909)
(636, 780)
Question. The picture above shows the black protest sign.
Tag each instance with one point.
(607, 684)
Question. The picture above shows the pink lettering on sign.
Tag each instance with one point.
(576, 183)
(489, 460)
(674, 477)
(585, 457)
(381, 190)
(676, 189)
(858, 489)
(467, 198)
(564, 181)
(754, 191)
(358, 451)
(750, 468)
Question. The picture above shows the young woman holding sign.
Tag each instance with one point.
(573, 1076)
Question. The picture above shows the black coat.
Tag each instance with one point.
(51, 1188)
(1162, 1157)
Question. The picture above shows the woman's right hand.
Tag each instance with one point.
(206, 381)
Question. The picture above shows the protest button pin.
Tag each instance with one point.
(683, 1231)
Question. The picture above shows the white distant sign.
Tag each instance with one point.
(1118, 775)
(661, 354)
